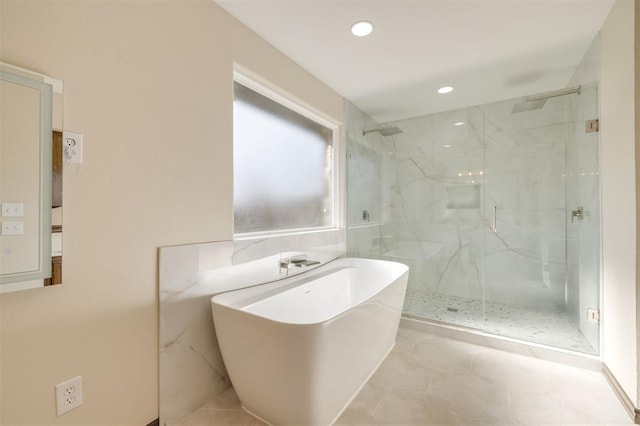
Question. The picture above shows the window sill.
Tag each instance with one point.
(289, 232)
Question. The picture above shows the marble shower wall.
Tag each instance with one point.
(432, 191)
(191, 368)
(436, 214)
(370, 177)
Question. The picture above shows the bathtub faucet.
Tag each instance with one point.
(296, 262)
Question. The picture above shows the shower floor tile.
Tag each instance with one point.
(538, 326)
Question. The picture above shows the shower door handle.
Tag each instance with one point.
(494, 220)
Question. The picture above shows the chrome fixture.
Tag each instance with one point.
(528, 106)
(383, 130)
(299, 261)
(554, 94)
(534, 102)
(365, 215)
(592, 126)
(577, 214)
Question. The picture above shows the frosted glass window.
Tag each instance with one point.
(283, 174)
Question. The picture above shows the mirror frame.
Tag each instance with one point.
(48, 89)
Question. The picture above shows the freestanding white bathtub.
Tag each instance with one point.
(298, 350)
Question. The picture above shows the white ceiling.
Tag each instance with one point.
(488, 50)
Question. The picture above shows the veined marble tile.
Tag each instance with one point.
(530, 165)
(192, 371)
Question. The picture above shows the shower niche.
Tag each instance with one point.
(464, 196)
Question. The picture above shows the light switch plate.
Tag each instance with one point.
(12, 209)
(12, 228)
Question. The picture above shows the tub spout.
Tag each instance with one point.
(304, 262)
(295, 262)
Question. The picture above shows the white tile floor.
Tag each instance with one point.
(431, 380)
(552, 328)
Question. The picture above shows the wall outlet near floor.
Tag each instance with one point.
(68, 395)
(593, 314)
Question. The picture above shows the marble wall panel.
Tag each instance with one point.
(191, 368)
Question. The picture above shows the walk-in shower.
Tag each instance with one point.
(495, 209)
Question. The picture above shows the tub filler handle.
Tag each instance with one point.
(295, 262)
(304, 262)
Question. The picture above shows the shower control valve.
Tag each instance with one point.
(577, 214)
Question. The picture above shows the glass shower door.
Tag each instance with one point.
(528, 290)
(494, 208)
(436, 215)
(583, 218)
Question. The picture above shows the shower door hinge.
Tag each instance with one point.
(593, 314)
(592, 126)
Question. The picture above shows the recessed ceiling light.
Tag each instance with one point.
(445, 89)
(447, 146)
(459, 123)
(361, 28)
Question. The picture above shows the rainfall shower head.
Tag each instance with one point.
(383, 130)
(528, 106)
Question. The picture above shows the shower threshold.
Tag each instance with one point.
(481, 338)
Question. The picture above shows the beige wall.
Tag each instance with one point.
(150, 86)
(619, 195)
(637, 131)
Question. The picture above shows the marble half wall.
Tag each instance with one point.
(191, 368)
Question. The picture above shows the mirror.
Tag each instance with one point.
(30, 179)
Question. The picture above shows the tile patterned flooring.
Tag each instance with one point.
(431, 380)
(552, 328)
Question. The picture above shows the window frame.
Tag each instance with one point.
(288, 101)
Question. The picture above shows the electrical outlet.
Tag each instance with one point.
(69, 395)
(72, 147)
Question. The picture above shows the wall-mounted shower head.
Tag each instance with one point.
(528, 106)
(383, 130)
(554, 94)
(534, 102)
